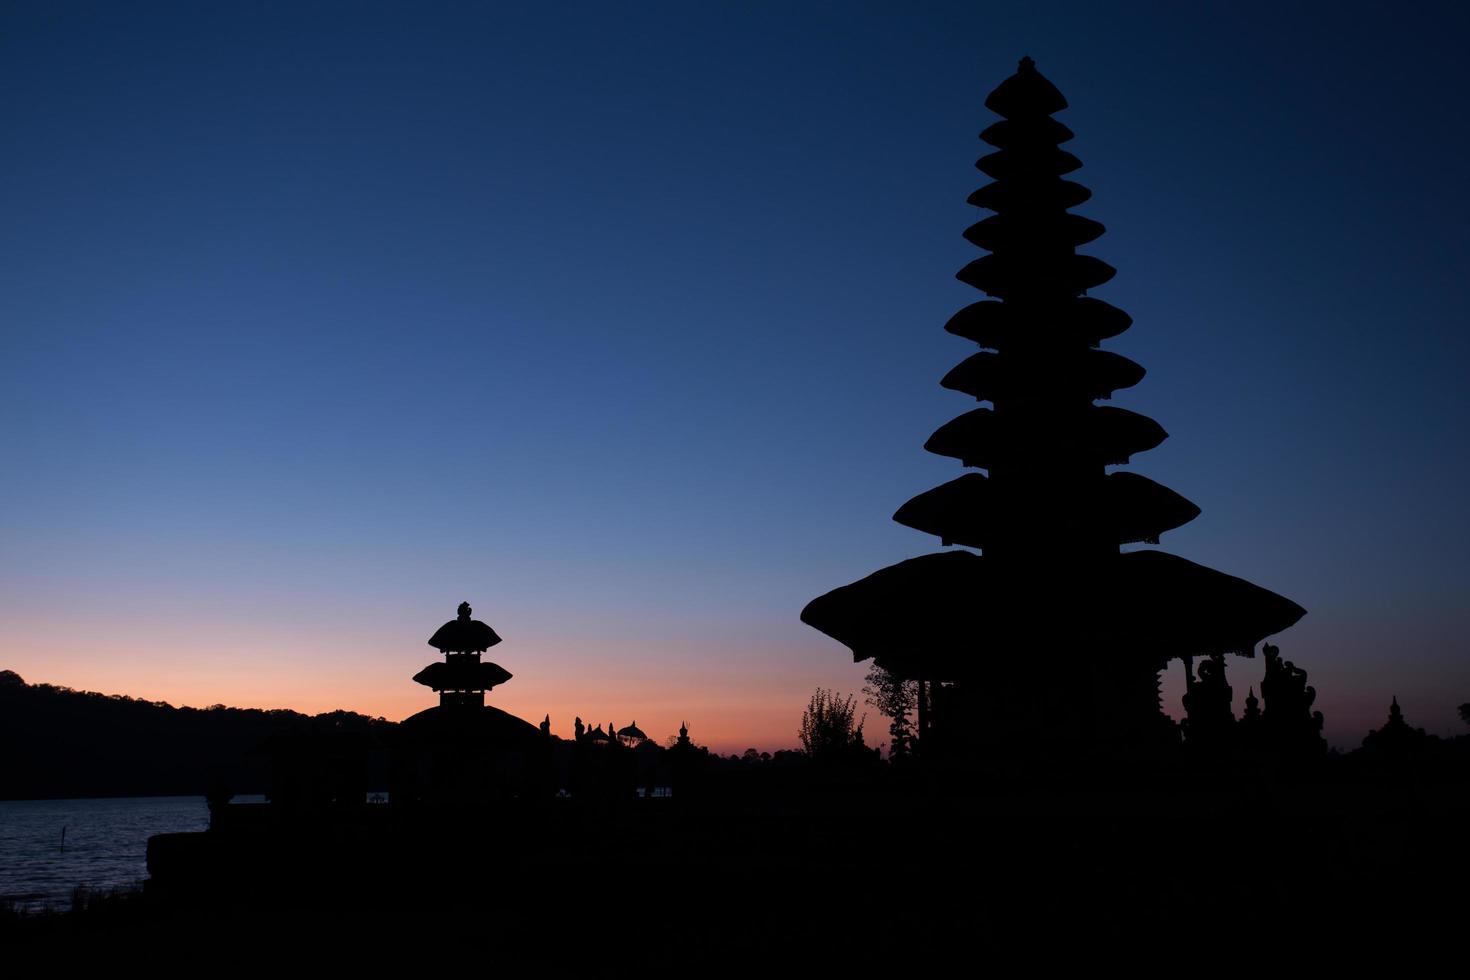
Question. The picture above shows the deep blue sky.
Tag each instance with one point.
(626, 325)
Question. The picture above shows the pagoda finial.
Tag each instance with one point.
(464, 610)
(1027, 64)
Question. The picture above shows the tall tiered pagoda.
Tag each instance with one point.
(1052, 633)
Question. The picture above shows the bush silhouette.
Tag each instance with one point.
(828, 732)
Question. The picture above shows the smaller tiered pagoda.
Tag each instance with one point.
(463, 751)
(463, 678)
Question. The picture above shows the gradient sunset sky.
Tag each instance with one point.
(623, 322)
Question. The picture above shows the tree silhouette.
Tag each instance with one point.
(894, 697)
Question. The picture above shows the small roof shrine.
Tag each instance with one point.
(1396, 740)
(632, 734)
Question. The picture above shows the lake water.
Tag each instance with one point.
(106, 843)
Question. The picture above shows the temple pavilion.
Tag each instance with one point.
(1047, 632)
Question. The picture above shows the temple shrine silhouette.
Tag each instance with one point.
(464, 751)
(1052, 638)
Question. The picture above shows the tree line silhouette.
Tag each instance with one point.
(58, 742)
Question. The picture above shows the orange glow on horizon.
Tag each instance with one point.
(728, 720)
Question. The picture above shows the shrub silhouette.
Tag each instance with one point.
(827, 729)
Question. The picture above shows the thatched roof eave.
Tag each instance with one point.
(953, 614)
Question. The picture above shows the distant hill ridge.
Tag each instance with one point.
(56, 742)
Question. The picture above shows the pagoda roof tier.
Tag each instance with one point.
(1106, 435)
(1001, 232)
(462, 674)
(1140, 509)
(956, 614)
(1001, 325)
(1026, 162)
(1006, 276)
(988, 376)
(1033, 131)
(487, 727)
(464, 635)
(1048, 193)
(1128, 508)
(1026, 93)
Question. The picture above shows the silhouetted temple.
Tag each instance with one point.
(464, 751)
(1052, 634)
(1396, 741)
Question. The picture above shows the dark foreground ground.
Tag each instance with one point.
(814, 866)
